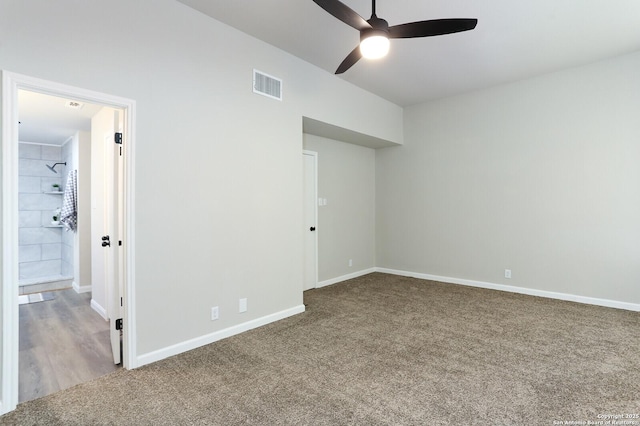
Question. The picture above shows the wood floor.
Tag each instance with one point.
(63, 342)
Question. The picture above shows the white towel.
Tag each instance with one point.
(69, 214)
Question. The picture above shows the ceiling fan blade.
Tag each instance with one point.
(433, 27)
(350, 60)
(344, 13)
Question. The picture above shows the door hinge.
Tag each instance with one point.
(118, 138)
(119, 324)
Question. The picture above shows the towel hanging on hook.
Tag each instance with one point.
(69, 214)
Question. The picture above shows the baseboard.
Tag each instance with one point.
(522, 290)
(345, 277)
(5, 408)
(99, 309)
(215, 336)
(81, 288)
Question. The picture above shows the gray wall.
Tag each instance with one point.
(218, 171)
(346, 225)
(540, 177)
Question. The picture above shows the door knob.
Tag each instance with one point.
(313, 228)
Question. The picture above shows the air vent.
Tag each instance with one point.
(74, 104)
(266, 85)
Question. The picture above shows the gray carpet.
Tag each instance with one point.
(382, 349)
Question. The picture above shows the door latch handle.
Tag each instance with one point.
(313, 228)
(105, 241)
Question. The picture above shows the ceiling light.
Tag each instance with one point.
(375, 46)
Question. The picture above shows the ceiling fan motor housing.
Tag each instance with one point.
(379, 27)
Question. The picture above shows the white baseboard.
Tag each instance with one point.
(99, 309)
(81, 288)
(345, 277)
(522, 290)
(215, 336)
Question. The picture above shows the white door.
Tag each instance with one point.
(105, 270)
(118, 211)
(310, 173)
(113, 215)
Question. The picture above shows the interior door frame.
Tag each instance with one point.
(314, 155)
(11, 84)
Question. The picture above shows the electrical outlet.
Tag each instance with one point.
(242, 305)
(507, 273)
(350, 262)
(215, 313)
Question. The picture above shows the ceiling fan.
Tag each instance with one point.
(375, 32)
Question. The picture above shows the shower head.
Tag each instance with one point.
(53, 168)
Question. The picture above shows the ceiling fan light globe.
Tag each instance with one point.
(374, 47)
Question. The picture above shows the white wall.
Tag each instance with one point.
(82, 261)
(7, 315)
(346, 225)
(218, 170)
(539, 176)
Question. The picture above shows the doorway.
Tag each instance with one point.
(120, 265)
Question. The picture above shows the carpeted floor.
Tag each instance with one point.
(382, 349)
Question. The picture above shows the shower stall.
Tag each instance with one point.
(46, 249)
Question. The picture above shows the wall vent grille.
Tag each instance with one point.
(266, 85)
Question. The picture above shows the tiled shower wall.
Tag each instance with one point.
(41, 254)
(67, 236)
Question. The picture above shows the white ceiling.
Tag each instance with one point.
(46, 119)
(513, 40)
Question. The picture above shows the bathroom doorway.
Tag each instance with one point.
(64, 333)
(22, 175)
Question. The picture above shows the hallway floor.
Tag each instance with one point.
(63, 342)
